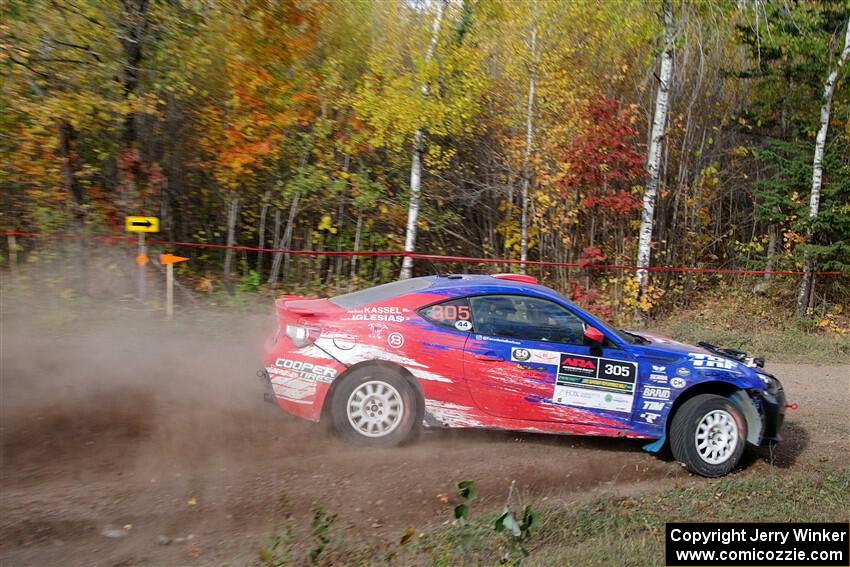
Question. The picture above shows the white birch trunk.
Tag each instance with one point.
(653, 160)
(416, 161)
(287, 234)
(526, 165)
(804, 295)
(358, 229)
(232, 215)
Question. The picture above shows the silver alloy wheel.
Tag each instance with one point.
(375, 408)
(716, 437)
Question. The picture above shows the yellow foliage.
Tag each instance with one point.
(327, 224)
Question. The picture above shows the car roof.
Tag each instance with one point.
(474, 283)
(449, 284)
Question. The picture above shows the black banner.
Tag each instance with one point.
(758, 544)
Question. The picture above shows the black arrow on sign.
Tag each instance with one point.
(146, 223)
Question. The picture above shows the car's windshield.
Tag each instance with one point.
(632, 338)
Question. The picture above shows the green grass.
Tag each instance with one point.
(605, 530)
(757, 325)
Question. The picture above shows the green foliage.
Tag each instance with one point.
(249, 284)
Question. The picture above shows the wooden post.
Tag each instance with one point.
(13, 253)
(169, 291)
(142, 254)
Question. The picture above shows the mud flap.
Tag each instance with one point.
(751, 413)
(656, 445)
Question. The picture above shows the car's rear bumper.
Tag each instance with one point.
(299, 379)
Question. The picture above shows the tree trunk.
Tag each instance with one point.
(232, 215)
(261, 236)
(13, 253)
(357, 230)
(416, 161)
(805, 293)
(277, 255)
(773, 233)
(653, 161)
(287, 234)
(526, 163)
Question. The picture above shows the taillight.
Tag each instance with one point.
(302, 335)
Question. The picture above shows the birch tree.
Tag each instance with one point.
(653, 161)
(529, 141)
(416, 160)
(804, 295)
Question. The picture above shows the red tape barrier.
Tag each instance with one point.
(416, 256)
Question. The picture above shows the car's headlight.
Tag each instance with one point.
(771, 384)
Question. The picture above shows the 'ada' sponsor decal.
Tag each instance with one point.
(463, 325)
(677, 382)
(649, 417)
(654, 406)
(683, 371)
(576, 365)
(591, 382)
(395, 340)
(658, 378)
(656, 393)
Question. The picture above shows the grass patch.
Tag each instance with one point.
(756, 325)
(606, 530)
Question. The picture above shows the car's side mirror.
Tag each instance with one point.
(594, 336)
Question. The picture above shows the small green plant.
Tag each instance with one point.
(466, 492)
(321, 527)
(250, 283)
(279, 552)
(516, 531)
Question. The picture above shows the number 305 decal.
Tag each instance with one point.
(614, 370)
(617, 370)
(450, 312)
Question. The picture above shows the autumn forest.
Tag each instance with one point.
(653, 133)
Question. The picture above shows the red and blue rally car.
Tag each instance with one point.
(503, 352)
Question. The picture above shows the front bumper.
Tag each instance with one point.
(771, 405)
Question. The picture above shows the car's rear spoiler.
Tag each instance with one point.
(305, 307)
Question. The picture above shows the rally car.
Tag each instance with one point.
(501, 351)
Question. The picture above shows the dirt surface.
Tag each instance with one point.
(127, 443)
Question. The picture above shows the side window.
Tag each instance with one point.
(454, 314)
(526, 318)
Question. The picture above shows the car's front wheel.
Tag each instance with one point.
(708, 434)
(376, 406)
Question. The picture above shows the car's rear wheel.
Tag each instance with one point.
(376, 406)
(708, 434)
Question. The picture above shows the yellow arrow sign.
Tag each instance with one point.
(141, 224)
(166, 259)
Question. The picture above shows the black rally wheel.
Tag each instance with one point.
(376, 406)
(708, 435)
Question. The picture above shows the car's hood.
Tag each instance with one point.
(666, 344)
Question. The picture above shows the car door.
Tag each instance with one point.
(528, 359)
